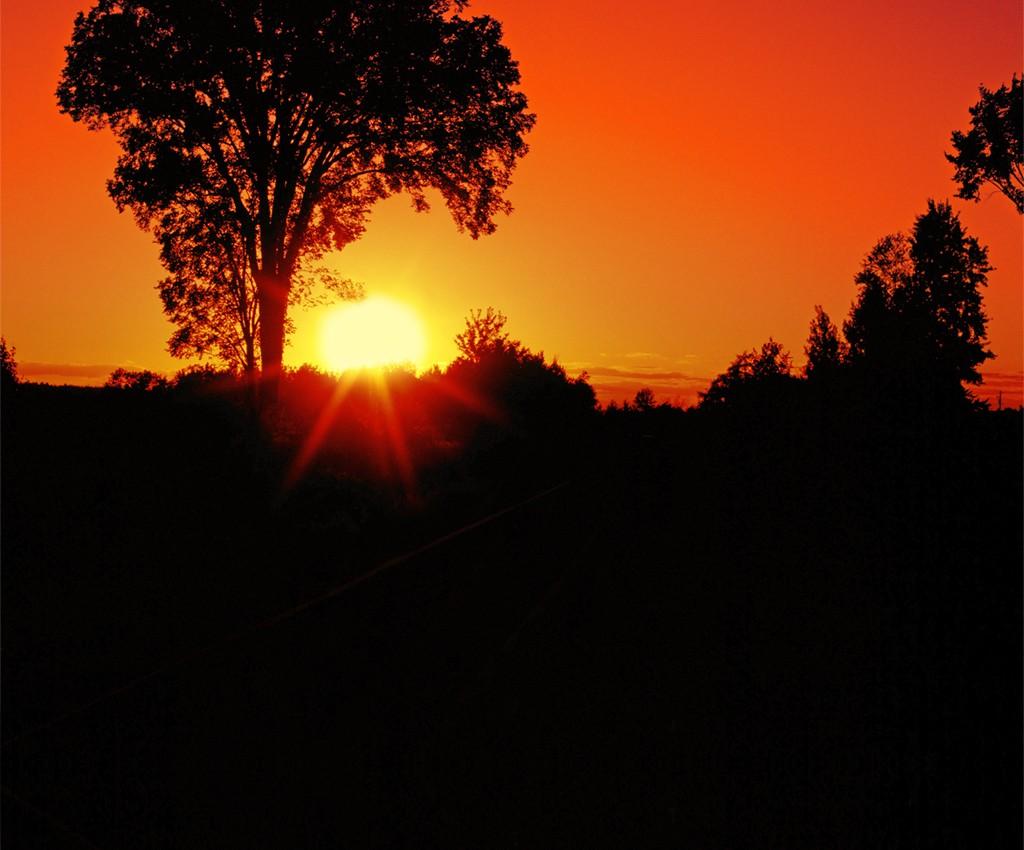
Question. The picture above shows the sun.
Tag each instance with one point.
(376, 332)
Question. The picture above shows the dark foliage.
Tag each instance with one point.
(918, 329)
(826, 351)
(992, 151)
(211, 295)
(644, 399)
(137, 380)
(8, 367)
(485, 335)
(871, 330)
(754, 375)
(943, 302)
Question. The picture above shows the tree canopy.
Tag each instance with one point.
(993, 150)
(767, 366)
(286, 122)
(920, 304)
(825, 350)
(515, 384)
(944, 295)
(136, 380)
(870, 328)
(8, 367)
(485, 335)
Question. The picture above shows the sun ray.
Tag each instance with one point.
(396, 439)
(467, 398)
(311, 445)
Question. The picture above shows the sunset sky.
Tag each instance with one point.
(700, 176)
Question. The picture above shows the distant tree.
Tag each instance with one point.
(137, 380)
(485, 335)
(993, 150)
(919, 309)
(644, 399)
(500, 375)
(202, 376)
(767, 366)
(292, 119)
(8, 366)
(825, 349)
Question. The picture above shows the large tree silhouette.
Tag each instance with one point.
(919, 310)
(993, 150)
(943, 299)
(292, 119)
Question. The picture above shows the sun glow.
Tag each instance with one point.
(376, 332)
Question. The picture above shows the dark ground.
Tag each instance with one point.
(712, 632)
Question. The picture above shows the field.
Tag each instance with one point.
(663, 628)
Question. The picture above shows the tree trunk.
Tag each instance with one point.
(250, 353)
(273, 298)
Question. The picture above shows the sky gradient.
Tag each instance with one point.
(699, 178)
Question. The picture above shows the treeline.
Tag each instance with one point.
(903, 358)
(899, 368)
(914, 337)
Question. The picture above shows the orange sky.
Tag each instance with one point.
(700, 176)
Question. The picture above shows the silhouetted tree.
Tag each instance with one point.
(919, 310)
(8, 366)
(212, 298)
(993, 151)
(485, 335)
(644, 399)
(943, 297)
(513, 387)
(141, 380)
(870, 329)
(292, 119)
(825, 349)
(766, 366)
(201, 376)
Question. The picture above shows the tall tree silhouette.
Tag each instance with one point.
(993, 150)
(919, 310)
(292, 119)
(870, 329)
(825, 349)
(944, 295)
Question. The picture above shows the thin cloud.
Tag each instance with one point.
(1014, 380)
(66, 370)
(653, 355)
(641, 374)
